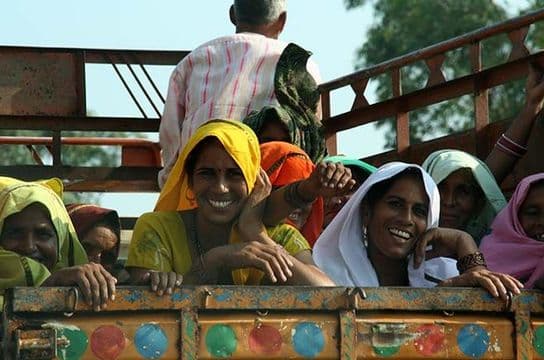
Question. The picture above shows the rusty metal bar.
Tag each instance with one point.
(348, 335)
(189, 334)
(128, 88)
(430, 51)
(524, 335)
(78, 123)
(29, 299)
(56, 149)
(150, 79)
(427, 96)
(142, 87)
(402, 117)
(89, 141)
(96, 56)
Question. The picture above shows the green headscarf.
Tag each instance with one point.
(440, 164)
(15, 195)
(298, 96)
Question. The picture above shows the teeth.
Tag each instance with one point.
(220, 204)
(402, 234)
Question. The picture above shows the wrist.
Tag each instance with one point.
(472, 262)
(306, 191)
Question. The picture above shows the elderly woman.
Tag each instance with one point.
(470, 198)
(516, 244)
(39, 246)
(381, 235)
(194, 231)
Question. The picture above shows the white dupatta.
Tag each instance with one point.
(340, 253)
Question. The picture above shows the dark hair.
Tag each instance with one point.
(190, 163)
(378, 190)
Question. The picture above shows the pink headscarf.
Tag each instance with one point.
(508, 249)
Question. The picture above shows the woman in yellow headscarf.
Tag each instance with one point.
(38, 243)
(194, 230)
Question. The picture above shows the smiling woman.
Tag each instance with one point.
(193, 236)
(516, 243)
(383, 234)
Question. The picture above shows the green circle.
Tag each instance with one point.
(538, 340)
(386, 351)
(221, 341)
(77, 346)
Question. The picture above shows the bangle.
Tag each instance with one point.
(509, 146)
(469, 261)
(293, 198)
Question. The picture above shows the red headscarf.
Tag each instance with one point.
(85, 216)
(285, 163)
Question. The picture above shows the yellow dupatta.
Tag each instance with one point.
(15, 195)
(242, 145)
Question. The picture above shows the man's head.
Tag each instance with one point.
(266, 17)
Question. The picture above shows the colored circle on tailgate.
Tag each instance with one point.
(221, 341)
(107, 342)
(538, 340)
(265, 339)
(78, 342)
(431, 339)
(308, 339)
(473, 340)
(150, 341)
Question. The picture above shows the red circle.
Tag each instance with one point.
(107, 342)
(265, 339)
(430, 340)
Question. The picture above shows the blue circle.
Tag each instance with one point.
(308, 339)
(473, 340)
(150, 341)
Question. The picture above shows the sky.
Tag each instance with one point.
(324, 27)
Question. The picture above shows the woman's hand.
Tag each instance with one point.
(250, 224)
(445, 242)
(273, 260)
(96, 284)
(161, 281)
(497, 284)
(328, 179)
(534, 88)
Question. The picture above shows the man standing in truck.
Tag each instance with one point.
(225, 78)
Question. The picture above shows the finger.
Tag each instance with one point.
(285, 263)
(163, 283)
(263, 265)
(95, 290)
(85, 288)
(275, 265)
(501, 288)
(155, 280)
(487, 284)
(511, 283)
(327, 173)
(420, 248)
(179, 280)
(337, 175)
(102, 286)
(171, 282)
(111, 282)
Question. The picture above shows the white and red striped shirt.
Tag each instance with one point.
(225, 78)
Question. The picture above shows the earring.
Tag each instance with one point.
(365, 237)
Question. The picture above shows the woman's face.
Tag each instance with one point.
(273, 131)
(531, 212)
(460, 199)
(218, 184)
(31, 233)
(398, 218)
(97, 241)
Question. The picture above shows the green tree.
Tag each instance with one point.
(402, 26)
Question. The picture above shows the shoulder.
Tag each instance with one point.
(158, 218)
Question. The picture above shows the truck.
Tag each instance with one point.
(44, 89)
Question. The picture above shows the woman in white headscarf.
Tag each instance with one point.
(389, 226)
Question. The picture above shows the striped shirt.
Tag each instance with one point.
(225, 78)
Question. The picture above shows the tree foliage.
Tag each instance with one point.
(403, 26)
